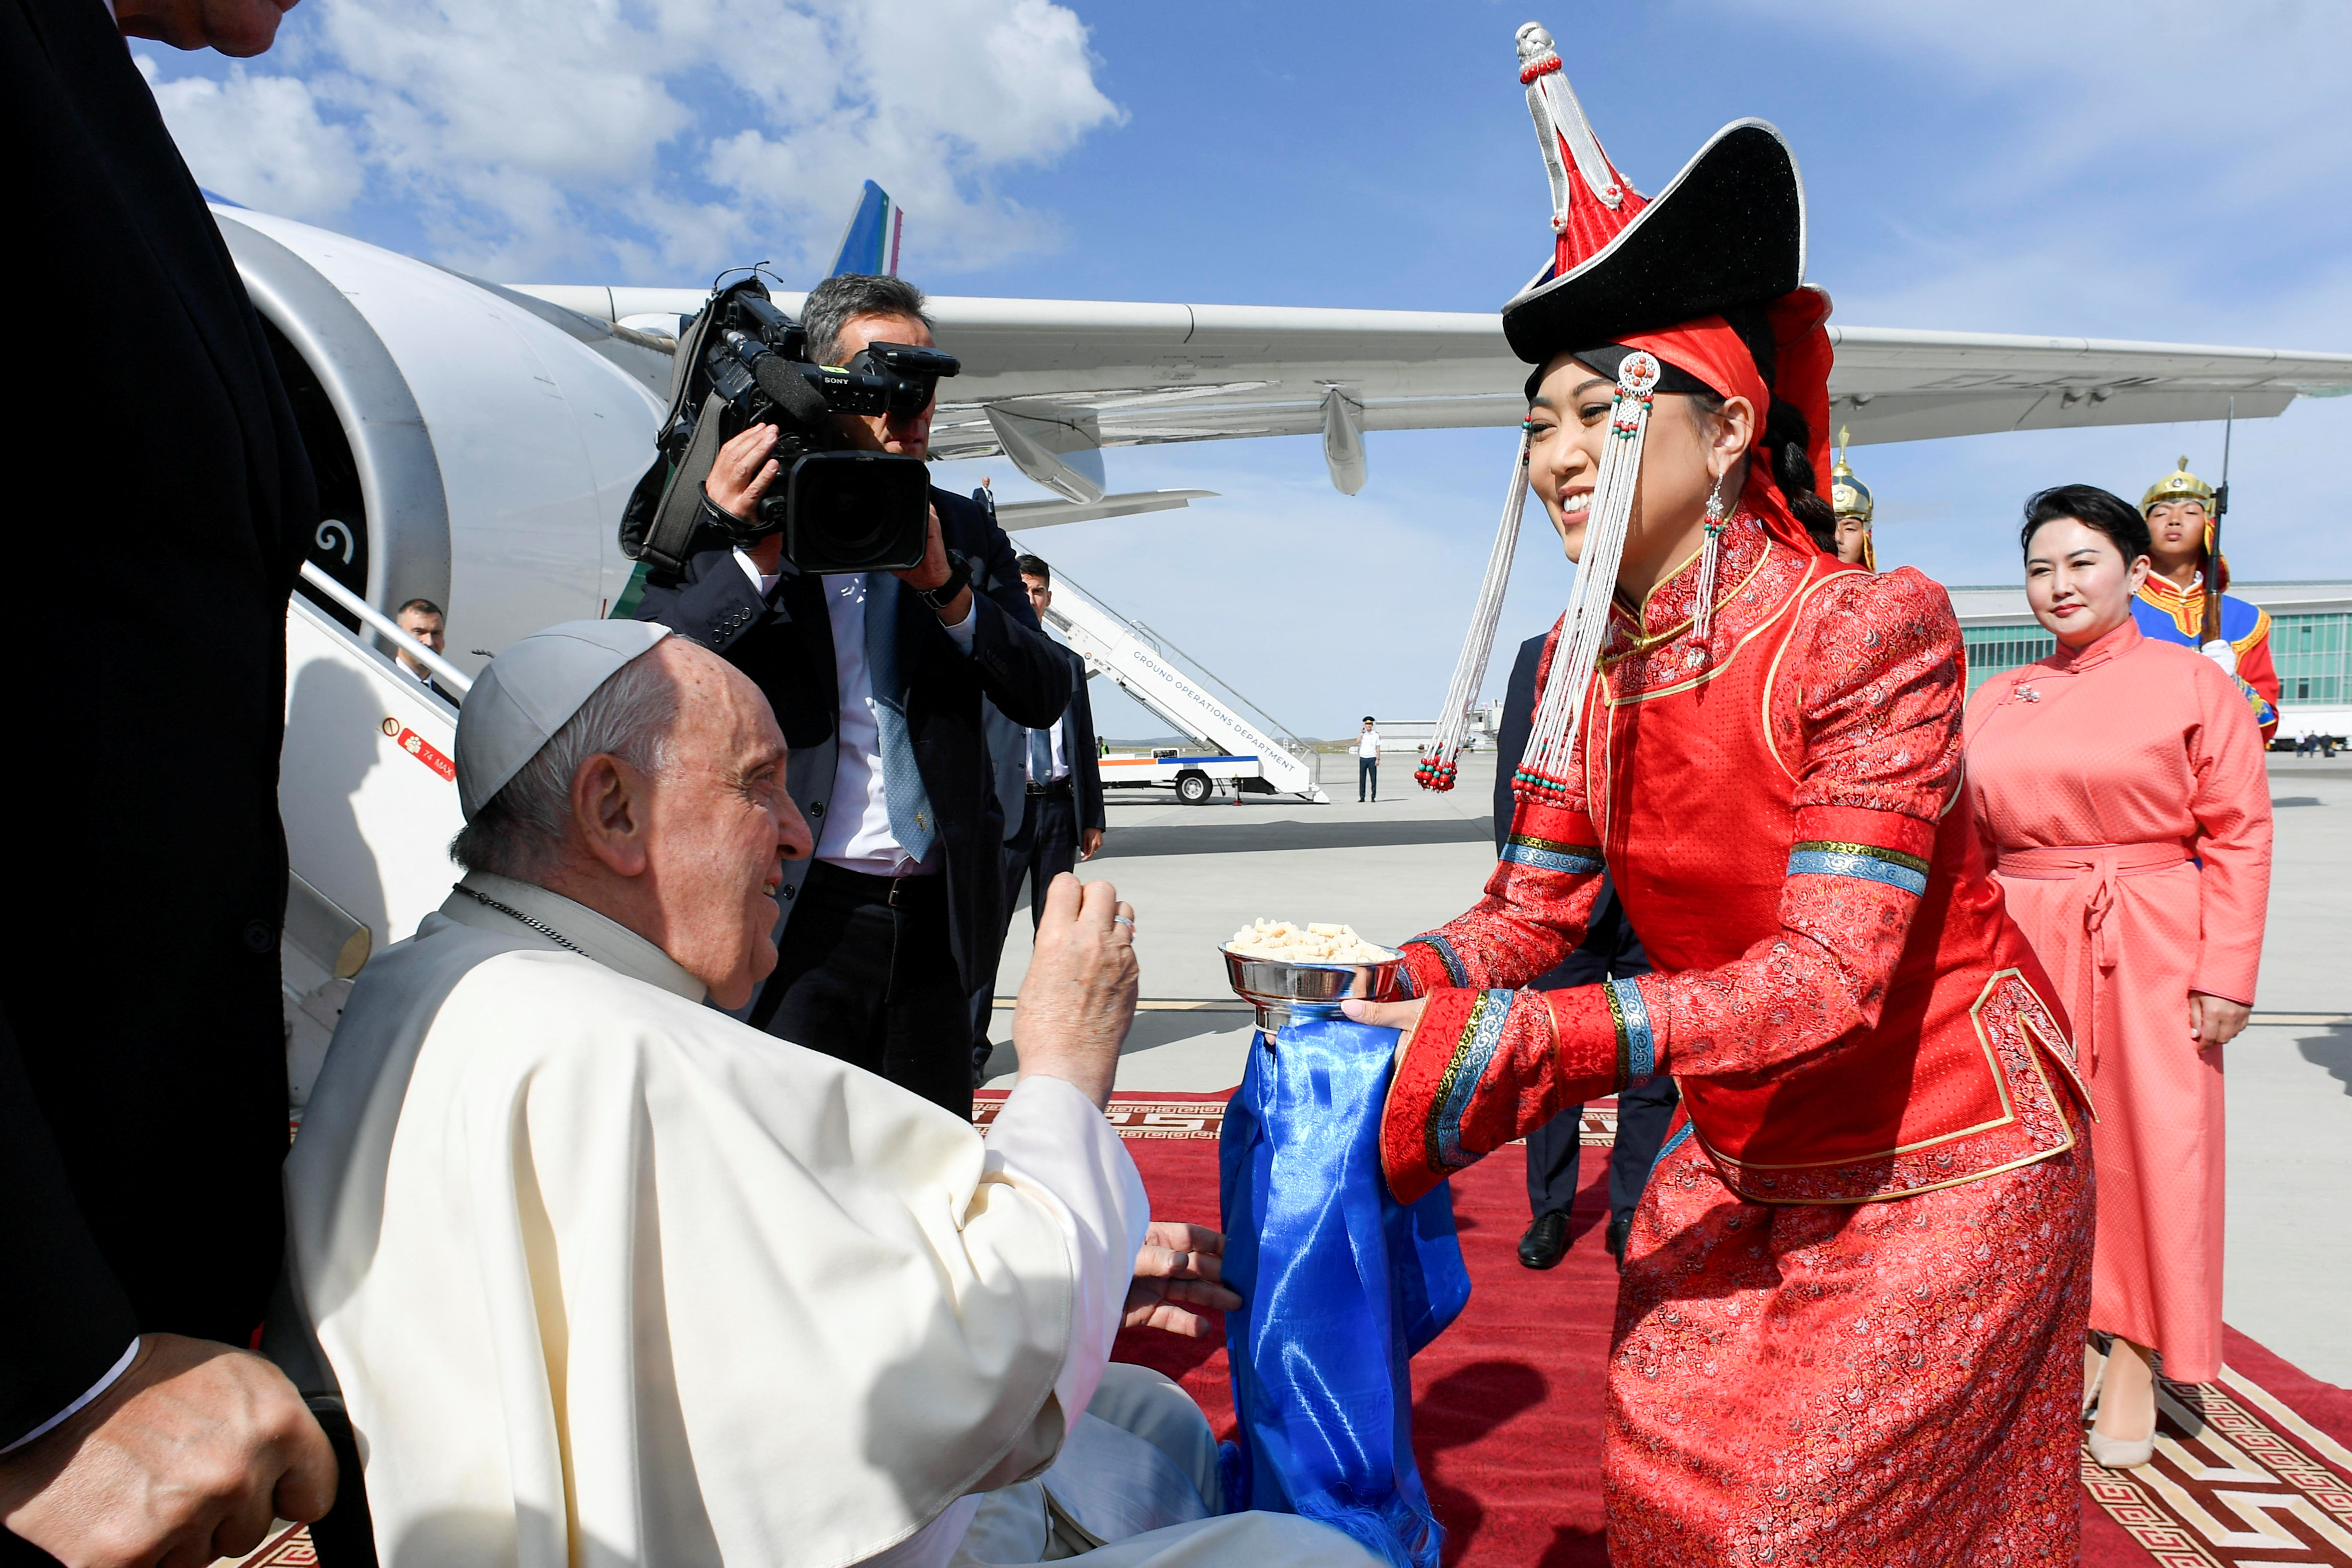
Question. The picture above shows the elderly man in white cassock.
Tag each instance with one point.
(608, 1277)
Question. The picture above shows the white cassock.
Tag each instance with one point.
(608, 1277)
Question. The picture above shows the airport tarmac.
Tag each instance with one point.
(1415, 859)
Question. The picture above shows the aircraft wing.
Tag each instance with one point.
(1049, 383)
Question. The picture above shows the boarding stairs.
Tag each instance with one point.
(367, 787)
(1144, 666)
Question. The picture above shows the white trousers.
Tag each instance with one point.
(1136, 1486)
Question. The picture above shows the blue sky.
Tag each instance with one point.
(2159, 169)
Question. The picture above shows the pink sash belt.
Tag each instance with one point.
(2102, 865)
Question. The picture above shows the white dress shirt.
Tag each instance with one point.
(857, 835)
(1060, 766)
(113, 1374)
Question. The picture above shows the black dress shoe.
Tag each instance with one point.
(1620, 1225)
(1545, 1242)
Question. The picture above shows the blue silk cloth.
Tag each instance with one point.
(1340, 1285)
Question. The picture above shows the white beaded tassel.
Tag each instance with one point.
(1543, 775)
(1438, 761)
(1703, 615)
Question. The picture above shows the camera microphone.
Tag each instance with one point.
(788, 389)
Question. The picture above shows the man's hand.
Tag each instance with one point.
(1078, 998)
(934, 571)
(186, 1459)
(1090, 841)
(1178, 1269)
(743, 471)
(2215, 1020)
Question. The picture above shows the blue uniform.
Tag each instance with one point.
(2171, 613)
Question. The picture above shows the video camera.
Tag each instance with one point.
(743, 361)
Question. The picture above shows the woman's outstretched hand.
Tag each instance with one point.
(1403, 1016)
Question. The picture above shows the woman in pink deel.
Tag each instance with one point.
(2118, 785)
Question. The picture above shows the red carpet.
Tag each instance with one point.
(2253, 1471)
(2256, 1470)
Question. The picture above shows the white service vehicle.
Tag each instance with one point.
(1194, 775)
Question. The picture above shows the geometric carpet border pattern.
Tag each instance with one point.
(2238, 1480)
(1203, 1116)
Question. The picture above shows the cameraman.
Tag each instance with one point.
(876, 678)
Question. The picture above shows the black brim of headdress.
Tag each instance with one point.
(1730, 231)
(1609, 358)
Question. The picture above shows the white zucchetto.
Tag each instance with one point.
(531, 691)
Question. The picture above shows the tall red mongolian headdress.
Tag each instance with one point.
(1700, 286)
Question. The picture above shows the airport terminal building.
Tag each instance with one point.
(2311, 643)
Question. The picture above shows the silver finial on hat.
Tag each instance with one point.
(1562, 128)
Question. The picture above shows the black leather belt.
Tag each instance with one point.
(1059, 787)
(864, 887)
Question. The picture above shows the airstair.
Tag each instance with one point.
(367, 787)
(1144, 666)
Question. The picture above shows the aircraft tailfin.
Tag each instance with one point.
(870, 244)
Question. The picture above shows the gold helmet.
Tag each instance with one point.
(2178, 485)
(1849, 496)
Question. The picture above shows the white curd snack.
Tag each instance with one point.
(1314, 943)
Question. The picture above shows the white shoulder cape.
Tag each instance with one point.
(609, 1276)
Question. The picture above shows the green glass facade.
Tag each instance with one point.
(1993, 649)
(2312, 653)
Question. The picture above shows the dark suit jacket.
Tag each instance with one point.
(1008, 755)
(1082, 752)
(1609, 946)
(143, 1102)
(786, 645)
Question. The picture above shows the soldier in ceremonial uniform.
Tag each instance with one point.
(2172, 603)
(1851, 500)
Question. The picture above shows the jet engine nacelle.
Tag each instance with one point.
(473, 446)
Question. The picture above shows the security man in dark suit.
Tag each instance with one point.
(1611, 952)
(142, 1046)
(878, 680)
(1049, 782)
(1059, 771)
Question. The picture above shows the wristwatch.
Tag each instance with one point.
(959, 578)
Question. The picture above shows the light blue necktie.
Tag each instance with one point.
(1041, 757)
(911, 822)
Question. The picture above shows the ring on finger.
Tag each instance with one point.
(1127, 920)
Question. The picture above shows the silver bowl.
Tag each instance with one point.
(1279, 989)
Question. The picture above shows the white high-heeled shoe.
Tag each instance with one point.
(2122, 1453)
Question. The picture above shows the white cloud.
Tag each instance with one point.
(651, 141)
(268, 147)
